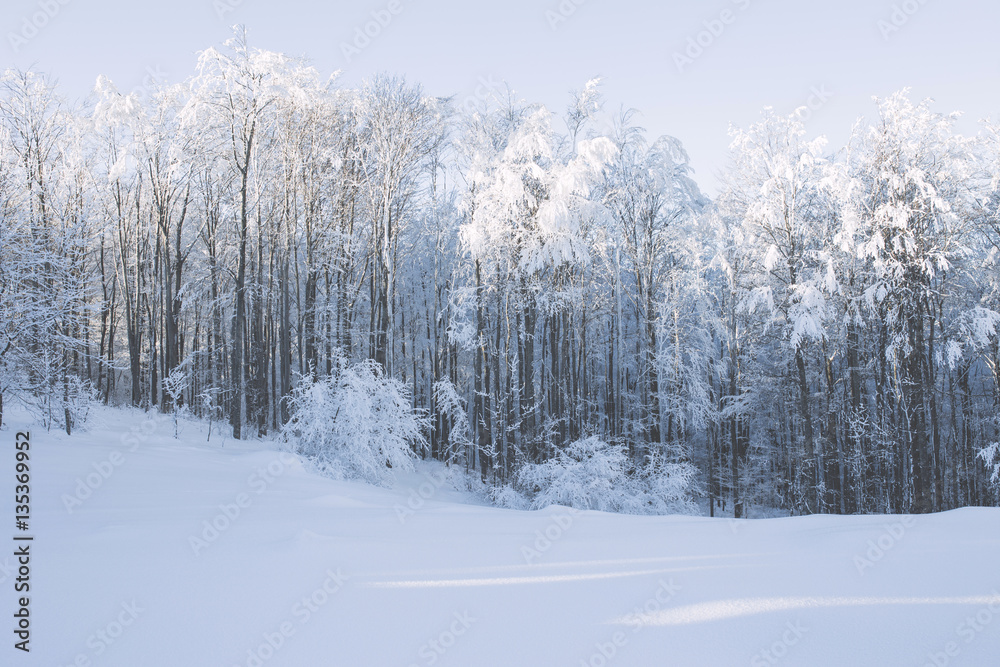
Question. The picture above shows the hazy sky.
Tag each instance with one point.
(764, 52)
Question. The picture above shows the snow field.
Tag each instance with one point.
(228, 553)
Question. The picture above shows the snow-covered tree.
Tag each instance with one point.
(774, 196)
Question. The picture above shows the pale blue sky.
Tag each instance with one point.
(773, 52)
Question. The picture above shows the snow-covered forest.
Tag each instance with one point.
(543, 297)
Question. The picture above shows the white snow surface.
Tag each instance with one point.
(454, 582)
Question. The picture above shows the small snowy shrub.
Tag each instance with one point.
(63, 404)
(584, 475)
(452, 408)
(175, 385)
(991, 457)
(592, 474)
(506, 497)
(664, 488)
(355, 424)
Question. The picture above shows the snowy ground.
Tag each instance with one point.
(314, 572)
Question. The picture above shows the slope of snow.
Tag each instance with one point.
(303, 571)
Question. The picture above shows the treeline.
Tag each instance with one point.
(822, 337)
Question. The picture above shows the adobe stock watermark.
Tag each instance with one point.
(559, 524)
(104, 469)
(967, 631)
(35, 22)
(774, 653)
(434, 649)
(703, 40)
(101, 640)
(419, 496)
(370, 30)
(562, 12)
(223, 7)
(153, 76)
(259, 481)
(605, 652)
(899, 17)
(878, 548)
(302, 612)
(817, 99)
(487, 87)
